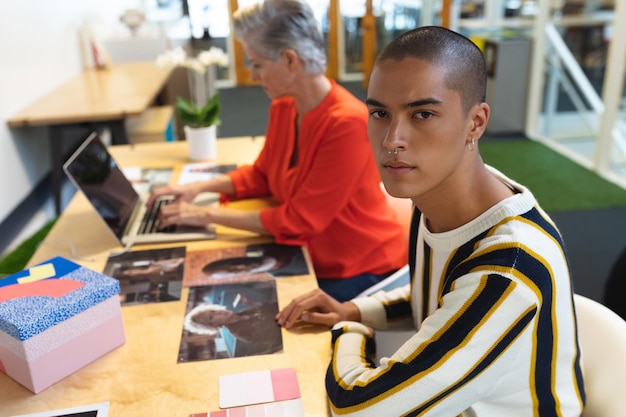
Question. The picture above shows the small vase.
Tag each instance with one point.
(202, 142)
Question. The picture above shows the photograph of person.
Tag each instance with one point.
(244, 263)
(315, 164)
(490, 301)
(230, 320)
(148, 276)
(94, 410)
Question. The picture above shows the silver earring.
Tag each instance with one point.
(471, 144)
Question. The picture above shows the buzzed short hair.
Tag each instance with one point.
(462, 61)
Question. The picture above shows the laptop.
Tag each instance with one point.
(96, 174)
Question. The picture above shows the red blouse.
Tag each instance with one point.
(330, 201)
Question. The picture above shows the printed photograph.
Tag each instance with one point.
(243, 264)
(94, 410)
(144, 180)
(202, 172)
(148, 276)
(229, 321)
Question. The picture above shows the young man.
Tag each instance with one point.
(490, 294)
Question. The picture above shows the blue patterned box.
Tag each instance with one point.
(55, 318)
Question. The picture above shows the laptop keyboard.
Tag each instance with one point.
(150, 221)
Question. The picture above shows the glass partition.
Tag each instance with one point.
(578, 115)
(209, 26)
(392, 18)
(576, 60)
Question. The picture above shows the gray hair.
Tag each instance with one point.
(272, 26)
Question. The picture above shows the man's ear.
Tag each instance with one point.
(479, 115)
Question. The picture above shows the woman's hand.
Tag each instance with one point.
(185, 192)
(317, 307)
(183, 213)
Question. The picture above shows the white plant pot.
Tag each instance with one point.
(202, 142)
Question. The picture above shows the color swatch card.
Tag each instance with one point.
(289, 408)
(247, 388)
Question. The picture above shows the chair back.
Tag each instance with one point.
(602, 338)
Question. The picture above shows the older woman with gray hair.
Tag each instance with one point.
(316, 161)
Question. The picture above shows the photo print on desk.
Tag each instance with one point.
(94, 410)
(230, 321)
(202, 172)
(247, 263)
(148, 276)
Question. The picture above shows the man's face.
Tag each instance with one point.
(213, 318)
(410, 108)
(242, 266)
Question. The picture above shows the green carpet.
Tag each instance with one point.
(17, 259)
(558, 183)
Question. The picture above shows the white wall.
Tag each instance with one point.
(39, 50)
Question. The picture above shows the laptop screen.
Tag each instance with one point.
(96, 174)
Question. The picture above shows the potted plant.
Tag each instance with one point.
(200, 115)
(200, 123)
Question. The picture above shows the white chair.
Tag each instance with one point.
(602, 338)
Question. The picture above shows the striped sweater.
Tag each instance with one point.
(492, 301)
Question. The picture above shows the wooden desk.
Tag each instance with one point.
(97, 99)
(142, 377)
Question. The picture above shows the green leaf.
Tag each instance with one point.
(194, 116)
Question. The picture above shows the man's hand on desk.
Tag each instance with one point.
(317, 307)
